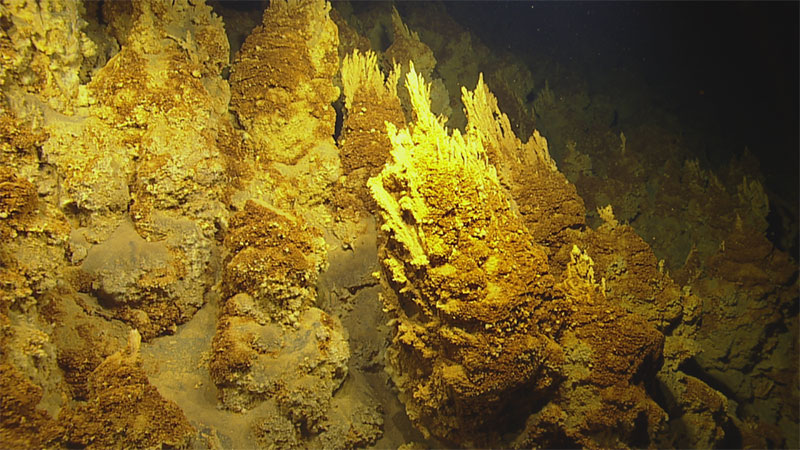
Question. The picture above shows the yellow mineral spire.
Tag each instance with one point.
(360, 71)
(425, 147)
(401, 28)
(420, 95)
(485, 118)
(454, 252)
(281, 80)
(429, 134)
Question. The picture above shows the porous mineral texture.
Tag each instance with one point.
(33, 236)
(18, 201)
(546, 200)
(482, 328)
(22, 424)
(719, 283)
(275, 259)
(273, 352)
(232, 229)
(45, 51)
(288, 61)
(19, 144)
(124, 410)
(147, 147)
(634, 281)
(282, 93)
(454, 255)
(370, 102)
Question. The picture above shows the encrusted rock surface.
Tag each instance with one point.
(482, 328)
(124, 409)
(299, 253)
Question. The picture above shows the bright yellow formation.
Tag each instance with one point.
(415, 151)
(494, 127)
(360, 71)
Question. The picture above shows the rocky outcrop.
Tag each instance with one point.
(482, 327)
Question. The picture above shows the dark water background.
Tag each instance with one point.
(727, 70)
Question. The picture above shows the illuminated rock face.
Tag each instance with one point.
(141, 150)
(282, 93)
(281, 80)
(370, 101)
(273, 352)
(140, 190)
(483, 329)
(124, 407)
(464, 278)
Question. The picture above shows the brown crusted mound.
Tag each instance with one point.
(124, 410)
(22, 425)
(18, 200)
(364, 142)
(484, 330)
(264, 246)
(281, 87)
